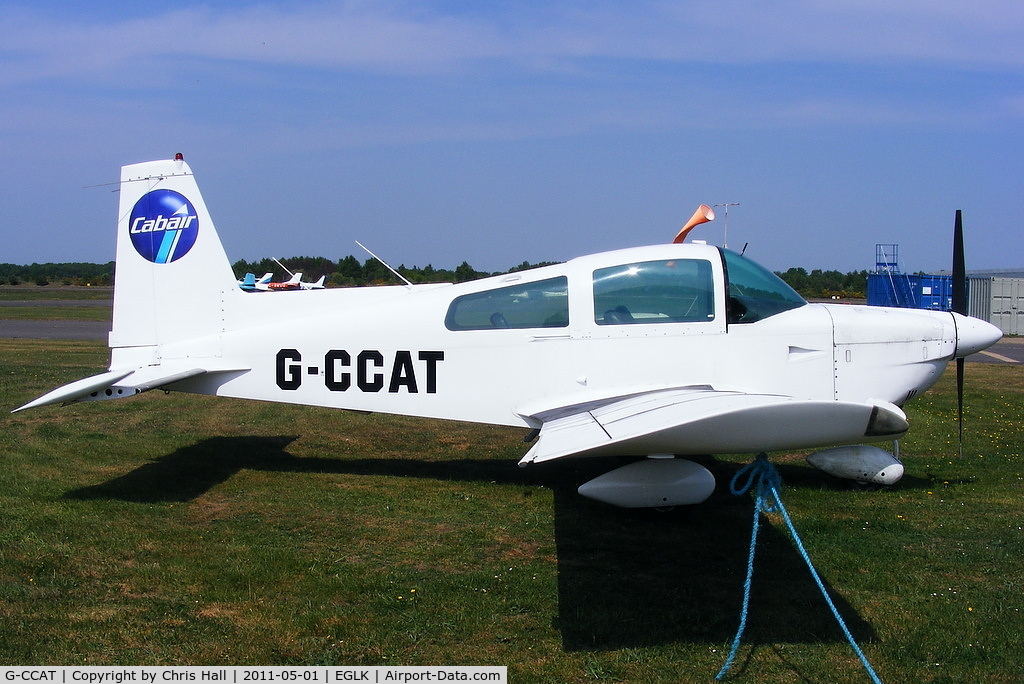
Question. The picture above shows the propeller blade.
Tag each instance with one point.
(960, 400)
(959, 306)
(959, 268)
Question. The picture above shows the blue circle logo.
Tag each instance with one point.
(163, 226)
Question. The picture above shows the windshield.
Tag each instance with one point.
(755, 293)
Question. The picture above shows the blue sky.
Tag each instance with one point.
(498, 132)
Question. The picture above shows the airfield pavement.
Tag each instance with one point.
(55, 330)
(1006, 350)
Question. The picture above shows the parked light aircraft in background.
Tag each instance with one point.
(250, 284)
(296, 279)
(672, 349)
(294, 282)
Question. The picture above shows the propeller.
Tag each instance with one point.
(960, 307)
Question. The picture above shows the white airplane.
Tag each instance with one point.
(250, 284)
(296, 280)
(681, 349)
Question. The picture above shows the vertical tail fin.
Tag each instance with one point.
(171, 274)
(172, 283)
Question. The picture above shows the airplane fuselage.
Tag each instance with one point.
(674, 348)
(399, 350)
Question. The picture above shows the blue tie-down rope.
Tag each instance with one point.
(767, 500)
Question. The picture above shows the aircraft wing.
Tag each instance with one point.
(702, 420)
(123, 383)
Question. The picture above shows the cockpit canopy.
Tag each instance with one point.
(755, 293)
(678, 290)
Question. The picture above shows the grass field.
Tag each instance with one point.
(171, 529)
(50, 303)
(36, 293)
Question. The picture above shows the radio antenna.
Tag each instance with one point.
(285, 267)
(386, 265)
(725, 237)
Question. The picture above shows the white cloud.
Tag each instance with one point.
(412, 38)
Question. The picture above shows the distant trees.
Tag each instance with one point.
(310, 267)
(526, 266)
(820, 284)
(346, 272)
(57, 274)
(350, 272)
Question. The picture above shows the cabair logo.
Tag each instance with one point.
(163, 226)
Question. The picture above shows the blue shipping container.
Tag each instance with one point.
(906, 291)
(936, 292)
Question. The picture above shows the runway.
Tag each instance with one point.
(55, 330)
(62, 329)
(1009, 350)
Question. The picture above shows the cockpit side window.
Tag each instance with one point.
(671, 291)
(540, 304)
(755, 293)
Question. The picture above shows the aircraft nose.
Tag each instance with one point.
(973, 335)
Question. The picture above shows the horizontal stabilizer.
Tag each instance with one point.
(706, 421)
(78, 389)
(121, 383)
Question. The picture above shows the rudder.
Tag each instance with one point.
(171, 274)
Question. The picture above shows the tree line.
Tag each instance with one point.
(58, 274)
(350, 272)
(819, 284)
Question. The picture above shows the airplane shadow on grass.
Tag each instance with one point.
(626, 578)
